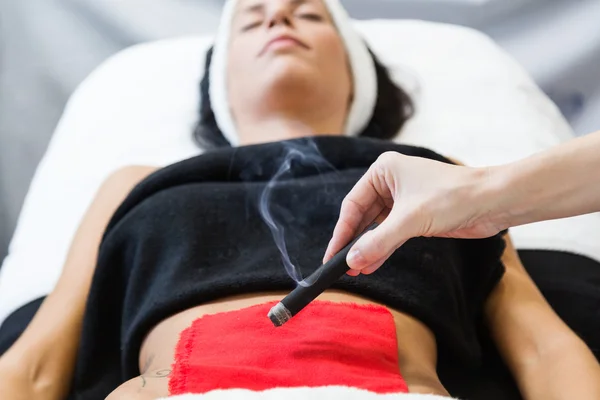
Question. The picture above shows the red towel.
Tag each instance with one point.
(326, 344)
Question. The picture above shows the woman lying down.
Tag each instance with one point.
(170, 276)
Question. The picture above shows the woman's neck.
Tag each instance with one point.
(283, 127)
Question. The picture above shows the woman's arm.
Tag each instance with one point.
(556, 183)
(40, 364)
(546, 358)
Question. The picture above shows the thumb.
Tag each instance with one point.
(382, 241)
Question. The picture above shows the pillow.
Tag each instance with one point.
(474, 103)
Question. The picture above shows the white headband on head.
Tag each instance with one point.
(361, 62)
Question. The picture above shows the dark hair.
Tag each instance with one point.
(392, 109)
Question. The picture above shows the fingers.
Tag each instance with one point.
(344, 233)
(370, 269)
(376, 246)
(374, 267)
(360, 207)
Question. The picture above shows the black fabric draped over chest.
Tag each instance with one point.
(193, 232)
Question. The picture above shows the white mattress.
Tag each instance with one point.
(305, 393)
(474, 103)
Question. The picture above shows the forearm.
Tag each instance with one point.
(546, 358)
(557, 183)
(43, 358)
(44, 355)
(569, 371)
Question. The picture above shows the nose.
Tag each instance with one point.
(280, 16)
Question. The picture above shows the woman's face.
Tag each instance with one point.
(286, 54)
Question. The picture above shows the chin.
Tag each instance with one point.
(290, 80)
(290, 71)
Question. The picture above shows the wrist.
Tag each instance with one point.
(503, 196)
(487, 195)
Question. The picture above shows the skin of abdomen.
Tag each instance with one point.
(417, 352)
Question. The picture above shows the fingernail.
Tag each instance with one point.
(355, 258)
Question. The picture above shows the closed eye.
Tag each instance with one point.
(311, 17)
(251, 26)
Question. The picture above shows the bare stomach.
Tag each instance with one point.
(417, 351)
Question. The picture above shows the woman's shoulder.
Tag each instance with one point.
(130, 174)
(121, 182)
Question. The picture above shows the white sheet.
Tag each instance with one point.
(305, 393)
(474, 104)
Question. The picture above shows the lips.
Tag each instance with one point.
(282, 40)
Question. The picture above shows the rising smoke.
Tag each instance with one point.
(298, 153)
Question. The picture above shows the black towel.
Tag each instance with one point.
(191, 233)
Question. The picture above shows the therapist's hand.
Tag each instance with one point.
(410, 197)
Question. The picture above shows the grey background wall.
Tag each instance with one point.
(47, 47)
